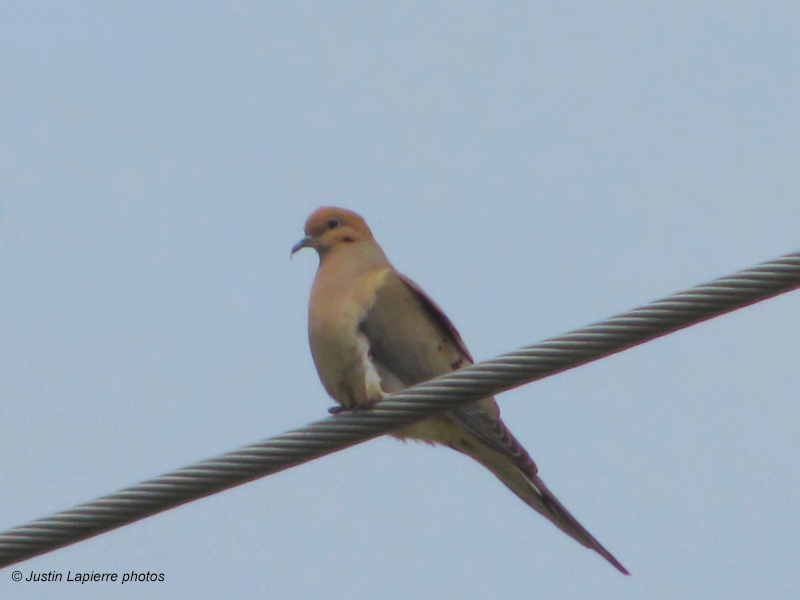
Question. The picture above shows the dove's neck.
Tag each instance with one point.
(350, 261)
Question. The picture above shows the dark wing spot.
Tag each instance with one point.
(456, 364)
(466, 444)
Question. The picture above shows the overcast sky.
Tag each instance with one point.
(534, 166)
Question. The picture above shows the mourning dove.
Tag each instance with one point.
(373, 331)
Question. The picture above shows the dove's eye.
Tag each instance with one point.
(333, 223)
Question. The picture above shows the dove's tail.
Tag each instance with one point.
(526, 484)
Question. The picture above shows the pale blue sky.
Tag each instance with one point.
(534, 166)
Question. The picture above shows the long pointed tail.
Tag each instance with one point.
(539, 497)
(533, 491)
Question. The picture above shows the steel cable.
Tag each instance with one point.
(346, 429)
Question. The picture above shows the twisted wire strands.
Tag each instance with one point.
(346, 429)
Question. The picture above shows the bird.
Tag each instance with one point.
(373, 331)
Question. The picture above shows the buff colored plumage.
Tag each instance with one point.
(373, 331)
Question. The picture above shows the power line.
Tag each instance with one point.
(347, 429)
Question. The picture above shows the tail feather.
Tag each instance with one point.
(544, 501)
(533, 491)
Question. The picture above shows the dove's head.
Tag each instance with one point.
(329, 228)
